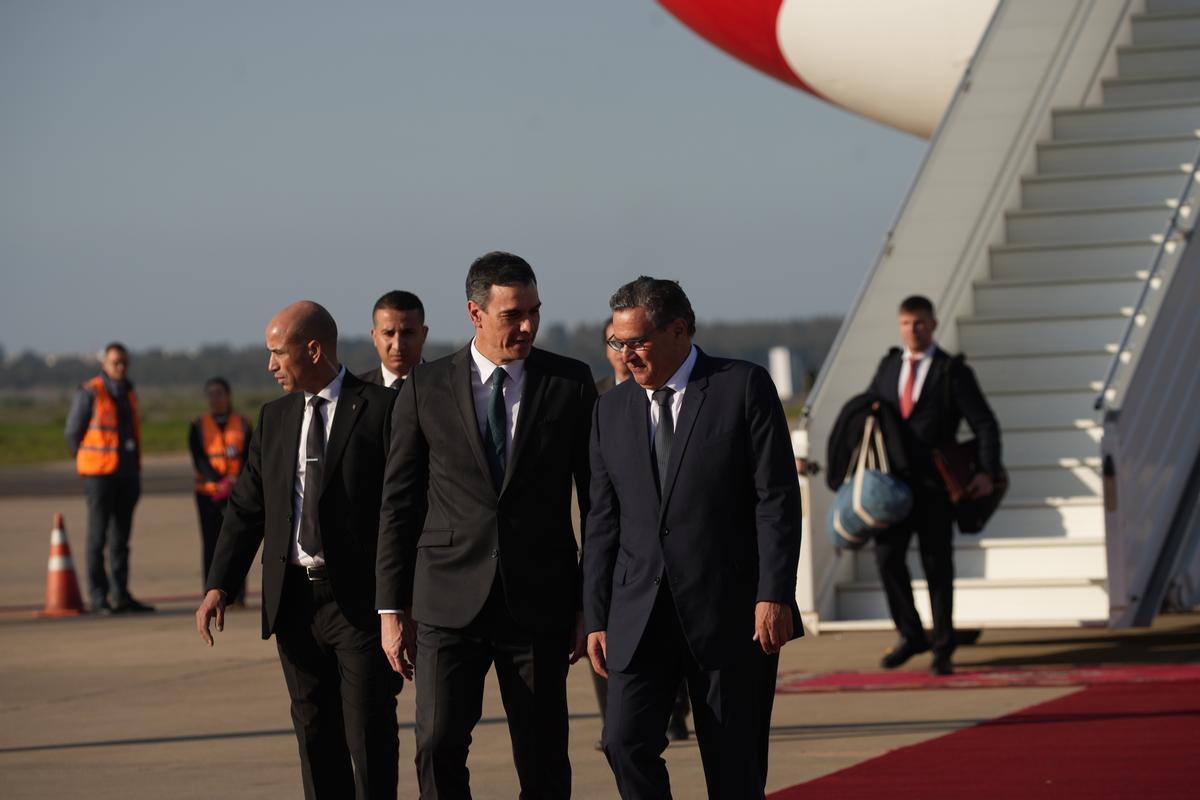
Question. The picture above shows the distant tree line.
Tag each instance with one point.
(246, 367)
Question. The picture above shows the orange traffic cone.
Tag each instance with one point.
(62, 587)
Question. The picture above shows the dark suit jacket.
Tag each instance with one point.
(444, 530)
(374, 376)
(949, 395)
(727, 531)
(260, 507)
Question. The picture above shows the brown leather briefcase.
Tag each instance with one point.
(958, 464)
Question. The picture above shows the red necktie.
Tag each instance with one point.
(906, 398)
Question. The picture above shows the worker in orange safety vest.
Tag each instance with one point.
(219, 443)
(103, 433)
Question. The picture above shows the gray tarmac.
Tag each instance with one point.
(139, 707)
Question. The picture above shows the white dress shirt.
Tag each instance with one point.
(678, 382)
(389, 377)
(331, 394)
(514, 385)
(926, 359)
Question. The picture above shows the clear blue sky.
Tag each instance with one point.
(171, 173)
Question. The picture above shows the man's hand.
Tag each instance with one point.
(213, 605)
(579, 642)
(224, 488)
(399, 635)
(772, 626)
(597, 648)
(980, 486)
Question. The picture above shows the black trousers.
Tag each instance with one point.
(343, 694)
(731, 709)
(110, 503)
(211, 512)
(532, 672)
(932, 521)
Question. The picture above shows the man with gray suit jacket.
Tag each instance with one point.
(693, 538)
(477, 561)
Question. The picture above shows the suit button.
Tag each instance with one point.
(657, 580)
(282, 559)
(666, 532)
(495, 553)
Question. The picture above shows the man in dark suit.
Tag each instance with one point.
(692, 544)
(398, 331)
(475, 539)
(310, 495)
(933, 392)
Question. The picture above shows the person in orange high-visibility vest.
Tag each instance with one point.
(219, 441)
(103, 433)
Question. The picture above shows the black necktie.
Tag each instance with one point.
(497, 427)
(665, 432)
(314, 469)
(396, 384)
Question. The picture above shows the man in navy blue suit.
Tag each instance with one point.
(691, 549)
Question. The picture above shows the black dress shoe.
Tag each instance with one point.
(900, 653)
(942, 665)
(131, 605)
(102, 608)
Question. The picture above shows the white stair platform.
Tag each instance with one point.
(1008, 559)
(1034, 600)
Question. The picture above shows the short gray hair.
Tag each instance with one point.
(663, 300)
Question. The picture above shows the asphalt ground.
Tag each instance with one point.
(138, 707)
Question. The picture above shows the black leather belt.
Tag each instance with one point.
(313, 574)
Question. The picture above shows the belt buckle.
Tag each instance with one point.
(314, 574)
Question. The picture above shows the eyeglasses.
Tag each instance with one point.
(639, 344)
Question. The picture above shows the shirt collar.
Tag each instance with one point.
(679, 380)
(389, 377)
(926, 356)
(332, 390)
(515, 369)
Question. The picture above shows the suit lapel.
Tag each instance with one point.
(891, 378)
(464, 401)
(527, 416)
(290, 422)
(693, 402)
(933, 379)
(350, 404)
(639, 411)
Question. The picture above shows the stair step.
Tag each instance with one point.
(1007, 559)
(1001, 335)
(1166, 28)
(1124, 122)
(1081, 226)
(1082, 157)
(1171, 6)
(1019, 518)
(1047, 446)
(1055, 408)
(1102, 190)
(1150, 89)
(1041, 371)
(1098, 259)
(1070, 296)
(979, 600)
(1078, 479)
(1159, 59)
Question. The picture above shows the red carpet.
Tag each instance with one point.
(1131, 740)
(977, 678)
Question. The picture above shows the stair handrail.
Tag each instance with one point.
(1165, 241)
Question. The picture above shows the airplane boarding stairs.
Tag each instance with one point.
(1040, 296)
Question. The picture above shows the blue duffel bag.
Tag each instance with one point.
(870, 499)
